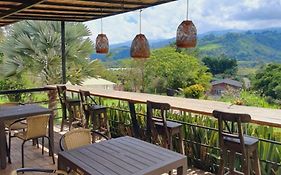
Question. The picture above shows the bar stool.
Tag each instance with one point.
(96, 112)
(70, 105)
(160, 126)
(236, 142)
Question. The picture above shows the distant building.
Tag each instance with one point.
(221, 86)
(97, 83)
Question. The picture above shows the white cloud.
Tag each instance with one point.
(162, 21)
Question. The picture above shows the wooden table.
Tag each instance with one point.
(17, 112)
(122, 156)
(261, 116)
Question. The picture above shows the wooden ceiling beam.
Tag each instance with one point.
(72, 9)
(93, 6)
(46, 18)
(70, 12)
(121, 2)
(54, 16)
(19, 8)
(58, 14)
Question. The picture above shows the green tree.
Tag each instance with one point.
(174, 70)
(221, 65)
(267, 81)
(35, 47)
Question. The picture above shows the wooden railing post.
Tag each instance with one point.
(52, 94)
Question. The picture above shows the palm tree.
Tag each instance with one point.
(34, 47)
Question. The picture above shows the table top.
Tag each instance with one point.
(123, 156)
(20, 111)
(262, 116)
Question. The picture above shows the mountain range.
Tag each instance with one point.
(248, 46)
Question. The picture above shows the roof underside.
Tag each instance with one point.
(12, 11)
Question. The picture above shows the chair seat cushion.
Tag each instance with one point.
(248, 140)
(169, 124)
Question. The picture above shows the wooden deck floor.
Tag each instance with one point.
(34, 158)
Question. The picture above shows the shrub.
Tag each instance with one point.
(194, 91)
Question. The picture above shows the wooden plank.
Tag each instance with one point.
(91, 163)
(76, 161)
(106, 161)
(19, 8)
(47, 8)
(48, 19)
(131, 155)
(139, 154)
(123, 158)
(154, 149)
(56, 16)
(68, 13)
(117, 160)
(140, 149)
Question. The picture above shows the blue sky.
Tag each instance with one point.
(161, 22)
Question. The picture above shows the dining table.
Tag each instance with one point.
(19, 112)
(122, 156)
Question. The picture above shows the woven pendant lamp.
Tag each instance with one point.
(140, 46)
(186, 33)
(102, 45)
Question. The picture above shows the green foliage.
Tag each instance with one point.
(194, 91)
(247, 98)
(221, 65)
(267, 81)
(35, 47)
(174, 70)
(12, 84)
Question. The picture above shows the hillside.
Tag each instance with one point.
(245, 46)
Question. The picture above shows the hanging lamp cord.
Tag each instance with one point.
(140, 20)
(187, 7)
(101, 25)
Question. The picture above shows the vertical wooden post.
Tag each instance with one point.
(135, 123)
(63, 58)
(52, 94)
(3, 150)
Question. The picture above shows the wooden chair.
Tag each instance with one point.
(70, 105)
(160, 126)
(236, 142)
(96, 112)
(81, 136)
(36, 128)
(11, 126)
(37, 170)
